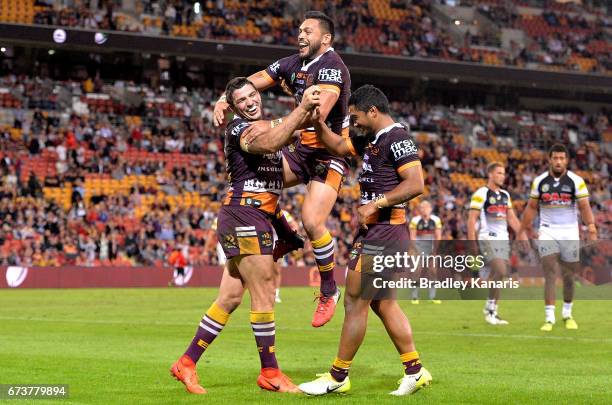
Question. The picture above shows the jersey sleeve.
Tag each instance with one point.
(581, 188)
(234, 132)
(278, 70)
(403, 152)
(438, 222)
(478, 199)
(331, 77)
(535, 189)
(414, 222)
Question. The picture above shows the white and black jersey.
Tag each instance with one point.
(493, 207)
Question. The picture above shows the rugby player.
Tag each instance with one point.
(308, 161)
(493, 206)
(245, 231)
(391, 175)
(426, 232)
(557, 193)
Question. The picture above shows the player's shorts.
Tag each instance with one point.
(377, 240)
(425, 247)
(244, 230)
(315, 164)
(493, 247)
(565, 241)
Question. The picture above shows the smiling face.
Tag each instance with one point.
(247, 102)
(311, 38)
(361, 120)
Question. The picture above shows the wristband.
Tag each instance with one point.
(592, 228)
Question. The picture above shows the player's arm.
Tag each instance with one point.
(269, 136)
(411, 186)
(329, 96)
(334, 143)
(528, 215)
(471, 223)
(515, 224)
(587, 217)
(412, 228)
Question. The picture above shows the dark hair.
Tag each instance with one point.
(235, 84)
(324, 21)
(494, 165)
(368, 96)
(558, 148)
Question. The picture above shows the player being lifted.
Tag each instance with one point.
(244, 229)
(556, 193)
(426, 232)
(493, 206)
(391, 175)
(308, 161)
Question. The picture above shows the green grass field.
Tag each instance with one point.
(114, 346)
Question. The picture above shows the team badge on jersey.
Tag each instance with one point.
(291, 148)
(545, 187)
(230, 242)
(492, 200)
(266, 239)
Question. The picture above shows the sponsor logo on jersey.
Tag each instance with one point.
(566, 188)
(402, 149)
(492, 200)
(274, 67)
(545, 187)
(239, 127)
(330, 75)
(266, 239)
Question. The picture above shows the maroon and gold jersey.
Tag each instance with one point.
(253, 180)
(329, 72)
(391, 152)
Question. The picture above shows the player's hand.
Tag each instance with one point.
(316, 118)
(219, 113)
(255, 130)
(311, 98)
(365, 211)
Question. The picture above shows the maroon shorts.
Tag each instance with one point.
(244, 230)
(378, 239)
(315, 164)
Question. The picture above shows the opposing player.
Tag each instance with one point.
(245, 231)
(557, 193)
(391, 175)
(308, 161)
(493, 207)
(426, 232)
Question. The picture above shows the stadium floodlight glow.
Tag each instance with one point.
(51, 52)
(3, 49)
(100, 38)
(59, 36)
(197, 8)
(457, 22)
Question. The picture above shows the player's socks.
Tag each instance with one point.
(211, 325)
(340, 369)
(432, 293)
(411, 362)
(549, 311)
(415, 294)
(491, 306)
(264, 330)
(567, 310)
(324, 256)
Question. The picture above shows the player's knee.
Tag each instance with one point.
(314, 226)
(229, 302)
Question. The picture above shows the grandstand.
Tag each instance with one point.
(128, 160)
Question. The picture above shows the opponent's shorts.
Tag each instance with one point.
(244, 230)
(565, 241)
(315, 164)
(425, 247)
(493, 248)
(378, 240)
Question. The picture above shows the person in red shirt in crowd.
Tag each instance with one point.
(177, 260)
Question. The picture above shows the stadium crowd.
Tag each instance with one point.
(559, 36)
(95, 186)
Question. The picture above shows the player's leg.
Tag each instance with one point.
(317, 207)
(260, 275)
(433, 275)
(568, 273)
(498, 268)
(549, 266)
(398, 328)
(353, 331)
(228, 299)
(277, 284)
